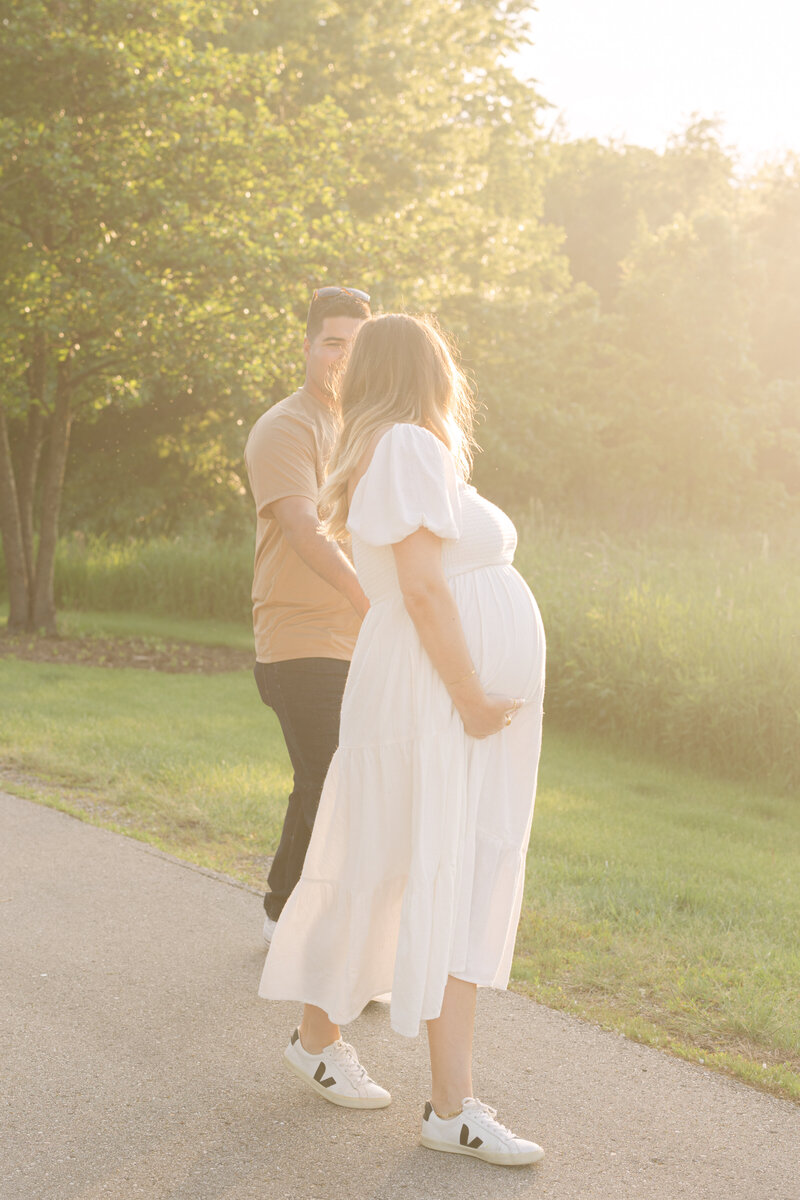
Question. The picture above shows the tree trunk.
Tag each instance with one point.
(11, 530)
(32, 448)
(44, 608)
(26, 484)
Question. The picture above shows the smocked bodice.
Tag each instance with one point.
(487, 539)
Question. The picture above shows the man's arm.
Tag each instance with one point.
(299, 522)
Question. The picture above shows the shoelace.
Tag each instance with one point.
(346, 1054)
(486, 1115)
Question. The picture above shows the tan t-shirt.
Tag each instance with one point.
(296, 614)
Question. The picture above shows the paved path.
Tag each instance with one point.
(137, 1061)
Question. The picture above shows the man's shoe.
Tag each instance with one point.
(269, 929)
(475, 1131)
(336, 1074)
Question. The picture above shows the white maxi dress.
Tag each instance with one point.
(416, 864)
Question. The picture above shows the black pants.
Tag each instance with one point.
(306, 694)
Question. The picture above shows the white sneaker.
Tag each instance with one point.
(475, 1131)
(336, 1074)
(269, 929)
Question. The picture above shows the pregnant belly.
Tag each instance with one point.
(393, 692)
(504, 631)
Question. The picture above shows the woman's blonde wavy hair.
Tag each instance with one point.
(400, 370)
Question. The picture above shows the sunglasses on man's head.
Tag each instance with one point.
(324, 292)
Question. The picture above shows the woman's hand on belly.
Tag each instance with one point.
(487, 714)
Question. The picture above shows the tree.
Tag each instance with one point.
(772, 222)
(425, 86)
(428, 186)
(604, 194)
(154, 209)
(600, 195)
(685, 309)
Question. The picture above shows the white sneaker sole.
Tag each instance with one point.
(333, 1097)
(522, 1159)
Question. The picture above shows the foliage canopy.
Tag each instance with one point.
(177, 176)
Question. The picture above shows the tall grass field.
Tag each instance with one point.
(684, 643)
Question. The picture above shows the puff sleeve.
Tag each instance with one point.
(410, 483)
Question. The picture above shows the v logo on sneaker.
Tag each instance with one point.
(464, 1139)
(318, 1075)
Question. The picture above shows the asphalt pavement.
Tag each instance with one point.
(138, 1061)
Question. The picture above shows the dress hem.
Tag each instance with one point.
(404, 1031)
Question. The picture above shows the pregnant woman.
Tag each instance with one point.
(414, 876)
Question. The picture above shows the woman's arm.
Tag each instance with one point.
(432, 607)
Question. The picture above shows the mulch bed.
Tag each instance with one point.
(173, 657)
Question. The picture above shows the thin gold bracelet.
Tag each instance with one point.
(468, 675)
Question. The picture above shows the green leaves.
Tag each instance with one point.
(156, 194)
(177, 177)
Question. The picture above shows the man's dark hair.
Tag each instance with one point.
(345, 304)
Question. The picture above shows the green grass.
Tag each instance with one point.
(665, 904)
(684, 642)
(238, 635)
(660, 902)
(193, 763)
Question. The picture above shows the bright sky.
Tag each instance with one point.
(638, 69)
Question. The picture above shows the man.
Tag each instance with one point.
(307, 602)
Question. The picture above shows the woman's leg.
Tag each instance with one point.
(450, 1045)
(316, 1030)
(464, 1128)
